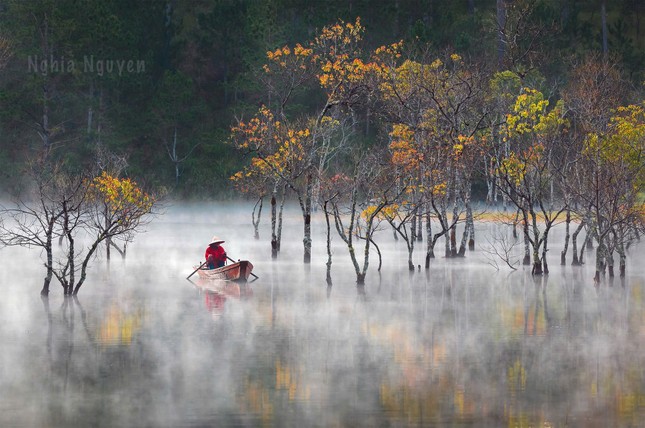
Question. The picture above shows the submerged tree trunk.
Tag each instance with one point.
(545, 243)
(380, 257)
(527, 251)
(470, 222)
(430, 241)
(453, 231)
(537, 263)
(328, 276)
(563, 254)
(274, 236)
(574, 245)
(464, 240)
(280, 211)
(276, 218)
(589, 237)
(255, 219)
(121, 251)
(444, 226)
(306, 214)
(600, 261)
(609, 257)
(50, 258)
(515, 221)
(622, 259)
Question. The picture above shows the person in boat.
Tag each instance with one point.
(215, 254)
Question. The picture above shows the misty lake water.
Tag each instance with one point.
(459, 345)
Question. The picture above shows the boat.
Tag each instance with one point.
(238, 271)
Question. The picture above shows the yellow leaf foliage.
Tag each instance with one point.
(405, 153)
(530, 115)
(120, 195)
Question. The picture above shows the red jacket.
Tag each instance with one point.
(219, 254)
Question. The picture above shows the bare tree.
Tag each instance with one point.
(33, 219)
(84, 209)
(357, 213)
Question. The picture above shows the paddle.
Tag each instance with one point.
(256, 277)
(200, 266)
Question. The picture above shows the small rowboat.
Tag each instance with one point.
(238, 271)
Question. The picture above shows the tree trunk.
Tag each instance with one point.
(600, 260)
(515, 221)
(280, 211)
(501, 25)
(50, 266)
(603, 19)
(589, 237)
(464, 240)
(360, 279)
(574, 244)
(274, 237)
(306, 213)
(430, 241)
(470, 221)
(413, 226)
(545, 265)
(444, 226)
(453, 231)
(537, 263)
(563, 254)
(328, 276)
(527, 251)
(256, 219)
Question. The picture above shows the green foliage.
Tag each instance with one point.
(202, 61)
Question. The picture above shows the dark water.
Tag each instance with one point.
(460, 345)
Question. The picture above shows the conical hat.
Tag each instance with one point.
(216, 240)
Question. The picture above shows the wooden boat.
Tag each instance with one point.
(238, 271)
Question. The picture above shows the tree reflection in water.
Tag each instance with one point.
(459, 344)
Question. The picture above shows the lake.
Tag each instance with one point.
(459, 345)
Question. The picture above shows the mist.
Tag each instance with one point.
(459, 344)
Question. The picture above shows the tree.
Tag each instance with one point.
(333, 57)
(615, 176)
(177, 114)
(358, 209)
(436, 110)
(594, 91)
(529, 170)
(33, 221)
(74, 206)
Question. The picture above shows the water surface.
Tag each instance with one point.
(459, 345)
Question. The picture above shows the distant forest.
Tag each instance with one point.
(161, 83)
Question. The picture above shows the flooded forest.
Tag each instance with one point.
(285, 213)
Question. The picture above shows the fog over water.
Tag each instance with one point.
(459, 345)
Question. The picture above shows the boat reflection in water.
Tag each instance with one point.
(217, 292)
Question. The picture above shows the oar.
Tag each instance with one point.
(200, 266)
(256, 277)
